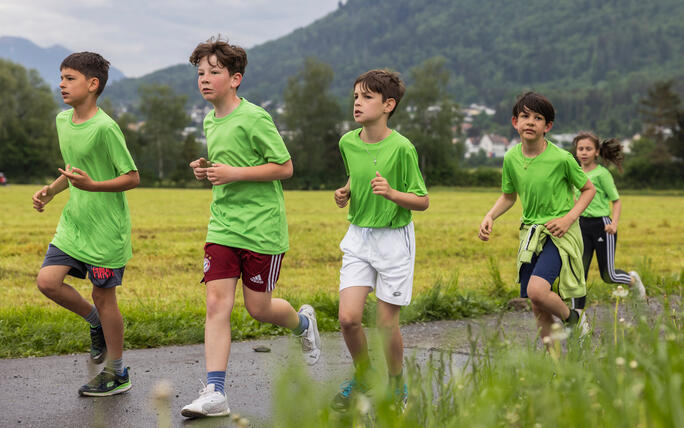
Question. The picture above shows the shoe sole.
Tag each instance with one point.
(119, 390)
(193, 414)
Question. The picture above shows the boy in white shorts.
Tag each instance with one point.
(384, 185)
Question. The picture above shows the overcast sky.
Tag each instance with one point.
(140, 36)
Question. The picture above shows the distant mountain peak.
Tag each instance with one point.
(46, 60)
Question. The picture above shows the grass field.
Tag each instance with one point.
(163, 301)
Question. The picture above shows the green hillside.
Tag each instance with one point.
(594, 59)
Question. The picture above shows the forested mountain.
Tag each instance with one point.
(45, 60)
(594, 60)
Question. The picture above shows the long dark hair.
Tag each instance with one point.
(609, 150)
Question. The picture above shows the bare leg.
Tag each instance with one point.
(541, 296)
(220, 301)
(388, 324)
(265, 309)
(352, 301)
(50, 282)
(112, 322)
(544, 321)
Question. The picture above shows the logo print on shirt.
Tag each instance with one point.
(257, 279)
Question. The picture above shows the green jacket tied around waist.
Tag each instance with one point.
(571, 283)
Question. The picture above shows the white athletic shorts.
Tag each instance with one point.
(380, 258)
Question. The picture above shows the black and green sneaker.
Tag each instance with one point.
(106, 383)
(98, 346)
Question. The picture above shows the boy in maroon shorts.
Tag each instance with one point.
(247, 234)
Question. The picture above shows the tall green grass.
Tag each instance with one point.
(636, 382)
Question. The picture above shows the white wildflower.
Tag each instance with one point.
(620, 292)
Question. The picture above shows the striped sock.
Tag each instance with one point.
(218, 378)
(93, 317)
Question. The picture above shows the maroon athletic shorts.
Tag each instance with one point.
(259, 272)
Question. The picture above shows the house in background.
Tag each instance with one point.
(494, 146)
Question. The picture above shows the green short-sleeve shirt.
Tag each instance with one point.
(545, 183)
(395, 158)
(247, 214)
(606, 192)
(95, 227)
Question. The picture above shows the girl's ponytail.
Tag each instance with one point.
(611, 151)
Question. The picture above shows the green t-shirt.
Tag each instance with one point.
(95, 227)
(247, 214)
(606, 192)
(545, 183)
(395, 158)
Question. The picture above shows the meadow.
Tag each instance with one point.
(163, 300)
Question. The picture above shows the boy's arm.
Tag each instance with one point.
(559, 226)
(342, 195)
(45, 195)
(81, 180)
(221, 174)
(617, 209)
(503, 204)
(410, 201)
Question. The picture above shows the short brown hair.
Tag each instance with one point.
(232, 57)
(90, 64)
(536, 103)
(384, 82)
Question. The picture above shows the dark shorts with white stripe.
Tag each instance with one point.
(259, 272)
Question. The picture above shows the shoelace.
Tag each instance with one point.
(102, 377)
(203, 391)
(307, 344)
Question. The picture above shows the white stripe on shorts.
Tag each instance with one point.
(273, 271)
(610, 258)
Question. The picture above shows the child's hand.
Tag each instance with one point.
(79, 178)
(611, 228)
(219, 174)
(199, 168)
(381, 186)
(41, 198)
(342, 196)
(559, 226)
(485, 228)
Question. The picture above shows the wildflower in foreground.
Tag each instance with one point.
(620, 292)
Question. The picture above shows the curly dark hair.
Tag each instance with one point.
(232, 57)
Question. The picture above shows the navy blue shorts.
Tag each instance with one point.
(101, 277)
(546, 265)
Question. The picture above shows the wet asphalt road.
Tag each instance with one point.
(42, 392)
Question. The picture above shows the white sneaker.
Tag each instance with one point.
(311, 341)
(209, 403)
(638, 286)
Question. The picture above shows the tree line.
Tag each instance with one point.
(312, 121)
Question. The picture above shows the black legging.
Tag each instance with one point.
(596, 239)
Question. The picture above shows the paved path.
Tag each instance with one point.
(42, 392)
